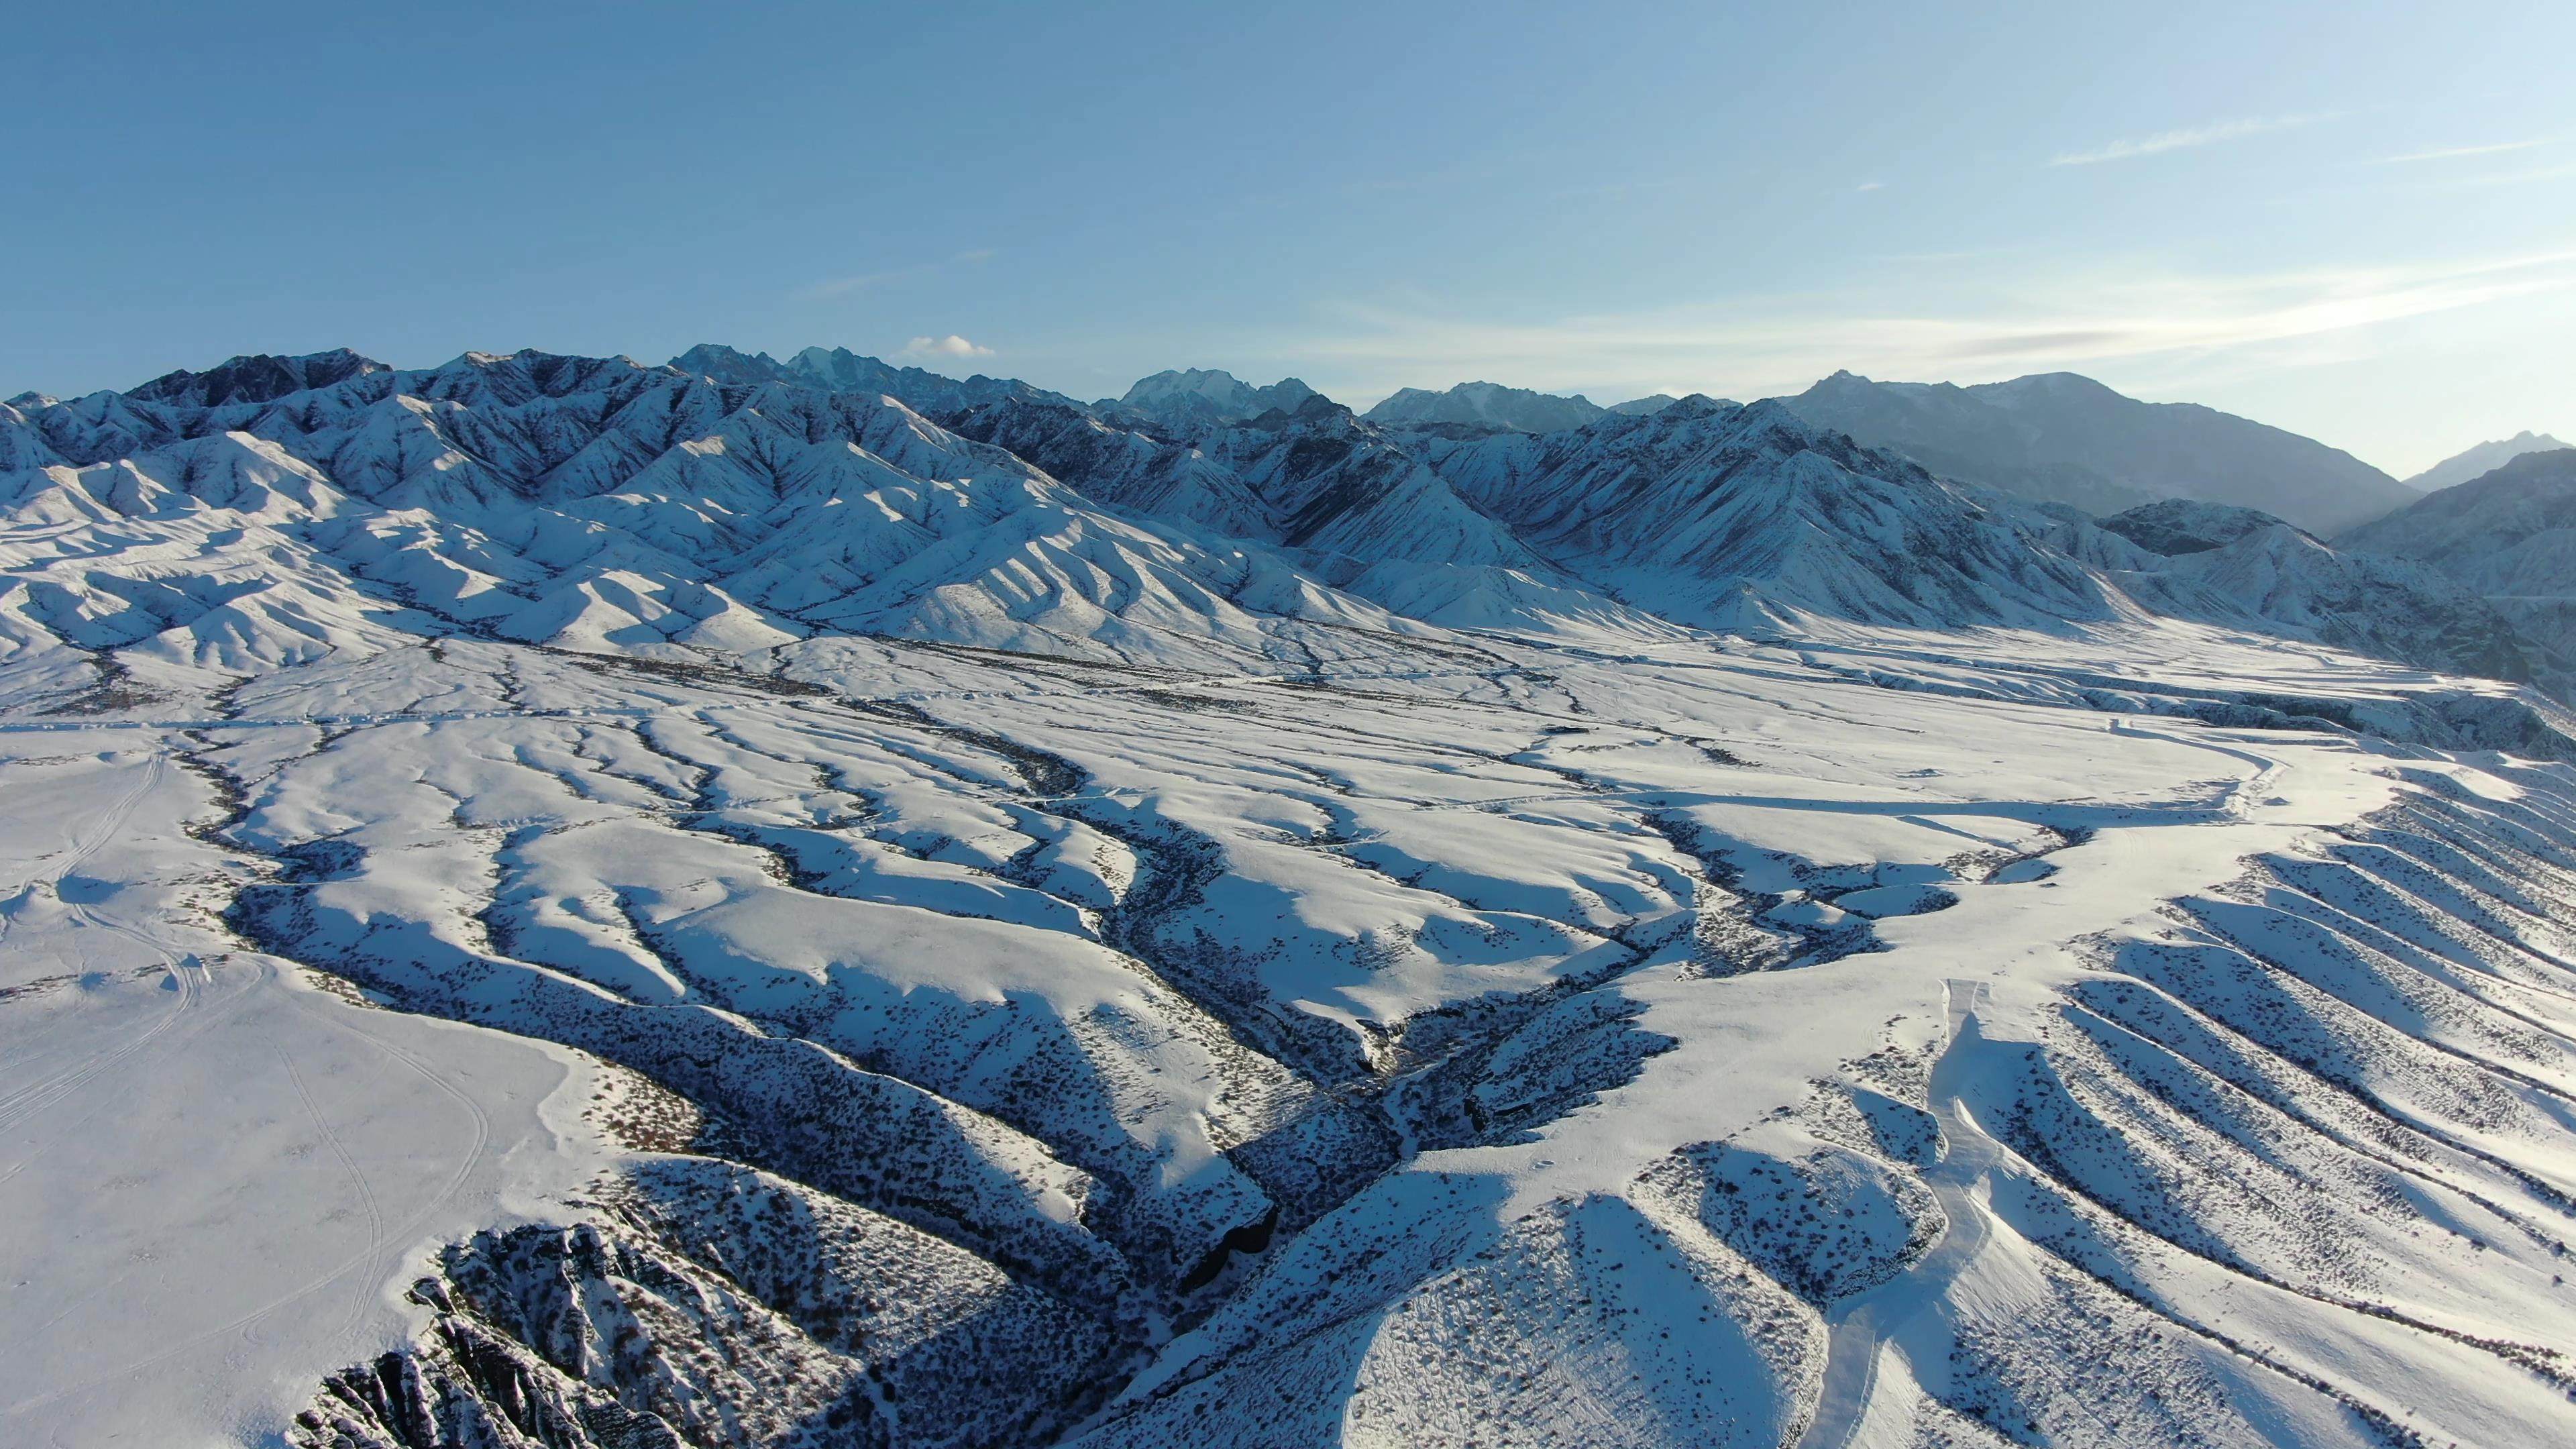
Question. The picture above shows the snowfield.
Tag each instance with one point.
(554, 902)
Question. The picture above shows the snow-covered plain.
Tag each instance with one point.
(825, 934)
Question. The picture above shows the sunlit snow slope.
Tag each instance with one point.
(549, 902)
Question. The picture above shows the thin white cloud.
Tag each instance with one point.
(2185, 139)
(951, 345)
(2106, 317)
(2451, 153)
(2512, 178)
(1871, 186)
(832, 287)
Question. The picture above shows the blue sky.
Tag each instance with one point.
(2358, 222)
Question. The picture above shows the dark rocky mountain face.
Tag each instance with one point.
(2179, 526)
(254, 379)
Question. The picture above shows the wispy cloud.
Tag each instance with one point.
(2186, 138)
(951, 345)
(2452, 153)
(1871, 186)
(2512, 178)
(2107, 317)
(829, 288)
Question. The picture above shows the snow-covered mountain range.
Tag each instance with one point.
(562, 901)
(2509, 534)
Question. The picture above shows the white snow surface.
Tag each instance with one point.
(554, 901)
(218, 1177)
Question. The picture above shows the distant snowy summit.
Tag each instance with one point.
(837, 369)
(2481, 460)
(1488, 405)
(1212, 396)
(1207, 395)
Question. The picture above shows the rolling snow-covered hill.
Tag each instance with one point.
(555, 901)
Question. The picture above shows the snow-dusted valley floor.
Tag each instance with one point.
(479, 983)
(1490, 1041)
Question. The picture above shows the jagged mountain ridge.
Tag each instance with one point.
(1351, 504)
(707, 486)
(1719, 514)
(2372, 606)
(1183, 399)
(601, 503)
(253, 379)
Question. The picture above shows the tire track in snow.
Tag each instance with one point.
(348, 1164)
(109, 823)
(24, 1102)
(466, 1163)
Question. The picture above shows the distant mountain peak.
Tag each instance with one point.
(2061, 437)
(1697, 405)
(2481, 460)
(727, 364)
(1486, 404)
(1210, 395)
(1208, 382)
(1648, 406)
